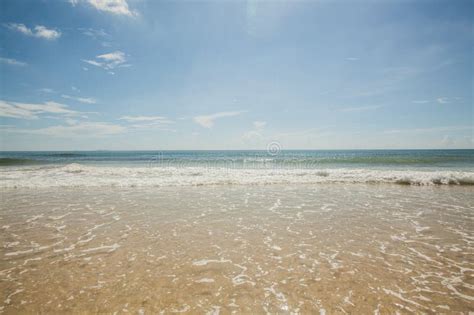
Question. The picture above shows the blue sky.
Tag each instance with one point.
(145, 74)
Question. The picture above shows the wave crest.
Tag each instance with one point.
(73, 175)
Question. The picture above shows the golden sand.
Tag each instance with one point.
(325, 249)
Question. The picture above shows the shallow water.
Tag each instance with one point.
(327, 248)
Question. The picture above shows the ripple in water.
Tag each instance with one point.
(279, 249)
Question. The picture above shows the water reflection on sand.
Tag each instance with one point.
(235, 249)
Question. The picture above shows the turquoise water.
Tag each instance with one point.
(171, 168)
(304, 159)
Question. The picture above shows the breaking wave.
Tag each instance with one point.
(77, 175)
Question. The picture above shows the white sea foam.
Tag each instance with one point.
(205, 280)
(96, 176)
(107, 248)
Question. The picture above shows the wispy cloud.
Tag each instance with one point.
(259, 124)
(73, 129)
(97, 34)
(352, 59)
(433, 129)
(12, 62)
(138, 123)
(94, 33)
(147, 119)
(360, 108)
(150, 126)
(442, 100)
(39, 31)
(32, 110)
(47, 90)
(207, 121)
(117, 7)
(109, 61)
(86, 100)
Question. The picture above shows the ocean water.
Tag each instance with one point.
(237, 232)
(262, 249)
(165, 168)
(434, 159)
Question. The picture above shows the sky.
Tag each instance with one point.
(167, 75)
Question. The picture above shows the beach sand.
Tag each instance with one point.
(324, 249)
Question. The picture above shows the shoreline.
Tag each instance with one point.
(274, 248)
(100, 176)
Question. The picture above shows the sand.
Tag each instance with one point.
(324, 249)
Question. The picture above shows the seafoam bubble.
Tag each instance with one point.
(76, 175)
(205, 280)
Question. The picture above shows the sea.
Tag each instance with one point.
(164, 168)
(237, 232)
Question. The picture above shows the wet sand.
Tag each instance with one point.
(324, 249)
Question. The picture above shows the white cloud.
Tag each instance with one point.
(46, 33)
(39, 31)
(259, 124)
(12, 62)
(94, 33)
(12, 111)
(352, 59)
(207, 121)
(20, 28)
(151, 126)
(32, 110)
(117, 7)
(433, 129)
(46, 90)
(114, 58)
(147, 119)
(359, 109)
(83, 129)
(74, 129)
(148, 122)
(86, 100)
(442, 100)
(109, 61)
